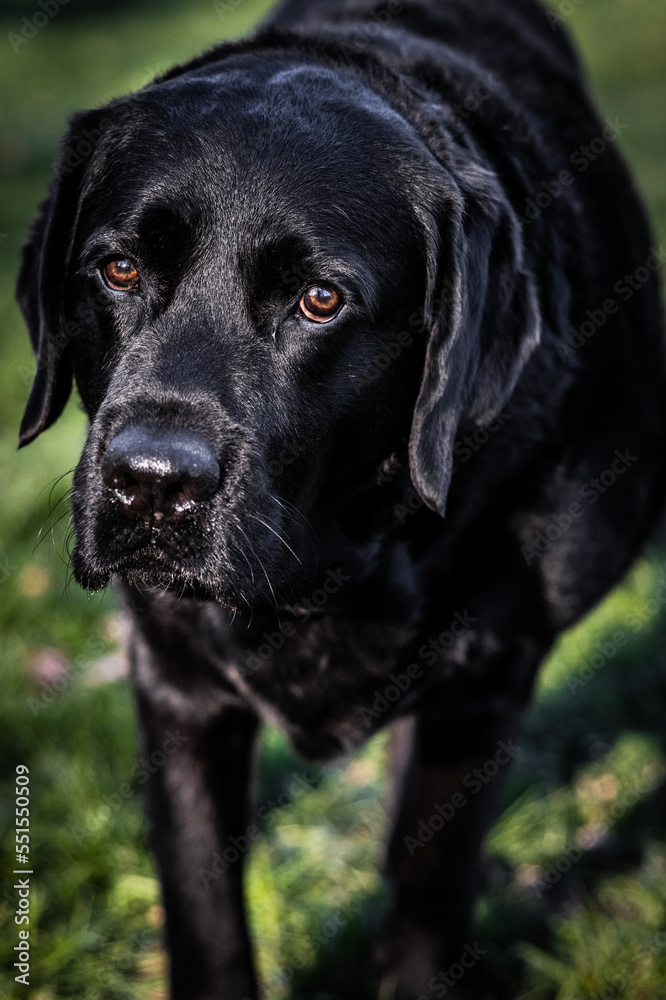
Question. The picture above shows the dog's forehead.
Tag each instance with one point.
(273, 118)
(265, 82)
(252, 143)
(316, 89)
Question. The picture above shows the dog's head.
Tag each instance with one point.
(266, 277)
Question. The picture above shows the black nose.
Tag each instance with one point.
(158, 474)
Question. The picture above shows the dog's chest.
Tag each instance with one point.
(318, 679)
(319, 683)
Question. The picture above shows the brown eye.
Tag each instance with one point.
(320, 303)
(121, 274)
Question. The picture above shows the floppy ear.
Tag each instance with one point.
(484, 322)
(40, 288)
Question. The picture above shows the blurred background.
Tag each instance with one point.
(574, 904)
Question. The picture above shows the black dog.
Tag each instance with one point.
(359, 311)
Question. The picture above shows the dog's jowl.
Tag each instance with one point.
(318, 291)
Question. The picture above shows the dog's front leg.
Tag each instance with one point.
(442, 813)
(197, 799)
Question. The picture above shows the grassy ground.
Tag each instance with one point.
(575, 902)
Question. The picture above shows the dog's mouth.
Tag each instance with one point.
(150, 567)
(206, 554)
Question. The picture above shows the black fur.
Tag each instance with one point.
(386, 477)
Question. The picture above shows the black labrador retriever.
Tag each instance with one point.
(364, 314)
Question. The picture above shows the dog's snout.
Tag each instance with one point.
(160, 475)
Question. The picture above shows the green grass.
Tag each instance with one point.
(575, 901)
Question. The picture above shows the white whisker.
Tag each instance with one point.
(277, 535)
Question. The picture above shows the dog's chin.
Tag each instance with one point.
(150, 573)
(177, 584)
(90, 576)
